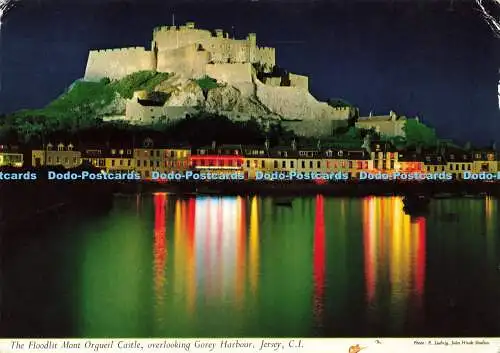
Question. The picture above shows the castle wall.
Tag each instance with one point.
(387, 128)
(187, 61)
(139, 114)
(168, 39)
(222, 48)
(273, 81)
(117, 63)
(295, 103)
(299, 81)
(230, 73)
(267, 57)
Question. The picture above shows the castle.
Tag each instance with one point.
(192, 53)
(252, 85)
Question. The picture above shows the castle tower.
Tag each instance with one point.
(252, 41)
(190, 25)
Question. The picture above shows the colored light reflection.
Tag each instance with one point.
(491, 227)
(254, 245)
(393, 241)
(191, 256)
(319, 257)
(160, 254)
(241, 239)
(220, 248)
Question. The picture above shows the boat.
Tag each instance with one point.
(442, 195)
(283, 201)
(207, 191)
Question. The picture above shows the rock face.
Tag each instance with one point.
(188, 95)
(295, 107)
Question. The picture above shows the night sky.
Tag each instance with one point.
(414, 57)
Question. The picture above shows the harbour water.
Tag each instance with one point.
(165, 266)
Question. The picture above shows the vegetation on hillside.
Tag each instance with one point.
(207, 83)
(420, 134)
(86, 99)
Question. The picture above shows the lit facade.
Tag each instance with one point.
(10, 157)
(60, 155)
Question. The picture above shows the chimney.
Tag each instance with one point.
(393, 115)
(213, 145)
(266, 144)
(294, 144)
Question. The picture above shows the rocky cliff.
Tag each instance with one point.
(238, 101)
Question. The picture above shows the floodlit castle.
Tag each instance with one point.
(249, 84)
(187, 51)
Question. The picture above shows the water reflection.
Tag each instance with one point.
(319, 259)
(254, 245)
(241, 266)
(395, 255)
(160, 255)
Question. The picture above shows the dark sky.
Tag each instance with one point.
(414, 57)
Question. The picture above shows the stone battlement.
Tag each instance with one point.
(115, 50)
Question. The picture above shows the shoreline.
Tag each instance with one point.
(345, 189)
